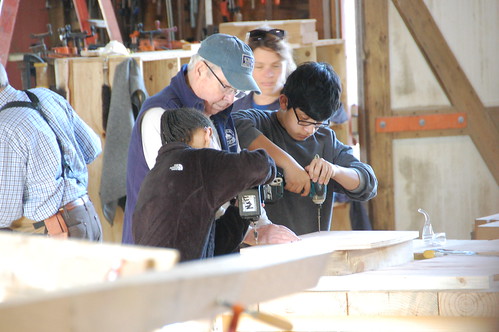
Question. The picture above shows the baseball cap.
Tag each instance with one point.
(234, 57)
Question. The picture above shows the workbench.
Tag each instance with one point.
(448, 293)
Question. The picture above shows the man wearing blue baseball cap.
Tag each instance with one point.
(219, 73)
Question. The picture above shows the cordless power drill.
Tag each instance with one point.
(318, 194)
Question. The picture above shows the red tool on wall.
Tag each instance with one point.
(224, 10)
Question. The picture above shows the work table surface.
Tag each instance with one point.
(479, 271)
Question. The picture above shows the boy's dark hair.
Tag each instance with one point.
(314, 88)
(179, 124)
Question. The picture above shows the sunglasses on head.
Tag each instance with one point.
(259, 34)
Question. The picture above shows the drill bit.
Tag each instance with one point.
(319, 216)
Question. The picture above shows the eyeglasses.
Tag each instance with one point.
(259, 34)
(228, 90)
(306, 123)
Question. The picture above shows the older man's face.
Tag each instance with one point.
(216, 91)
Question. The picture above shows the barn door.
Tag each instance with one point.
(429, 108)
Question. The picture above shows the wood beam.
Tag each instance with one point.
(494, 115)
(375, 89)
(315, 11)
(109, 15)
(8, 14)
(452, 78)
(82, 15)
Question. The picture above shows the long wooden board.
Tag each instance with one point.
(359, 251)
(186, 292)
(424, 295)
(354, 240)
(34, 264)
(380, 323)
(451, 272)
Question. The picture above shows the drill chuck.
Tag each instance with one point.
(318, 192)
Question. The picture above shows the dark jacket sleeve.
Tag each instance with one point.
(227, 174)
(342, 155)
(229, 231)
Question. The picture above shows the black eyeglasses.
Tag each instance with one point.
(227, 89)
(306, 123)
(259, 34)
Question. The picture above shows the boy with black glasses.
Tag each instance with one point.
(294, 135)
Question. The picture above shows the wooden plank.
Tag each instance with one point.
(341, 211)
(158, 74)
(451, 272)
(487, 219)
(344, 262)
(109, 15)
(493, 113)
(488, 231)
(469, 304)
(392, 303)
(357, 251)
(61, 73)
(374, 101)
(452, 79)
(82, 15)
(44, 75)
(86, 76)
(378, 323)
(37, 264)
(316, 11)
(305, 53)
(333, 51)
(298, 31)
(354, 240)
(186, 292)
(315, 304)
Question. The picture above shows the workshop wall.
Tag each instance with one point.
(447, 176)
(191, 27)
(432, 60)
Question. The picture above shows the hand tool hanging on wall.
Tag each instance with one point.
(39, 55)
(151, 43)
(224, 10)
(67, 36)
(40, 48)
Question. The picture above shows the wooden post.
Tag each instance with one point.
(375, 88)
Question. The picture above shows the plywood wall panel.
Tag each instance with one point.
(412, 81)
(471, 30)
(86, 76)
(445, 176)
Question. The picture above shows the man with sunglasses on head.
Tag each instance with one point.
(298, 132)
(210, 83)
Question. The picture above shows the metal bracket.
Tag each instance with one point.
(421, 122)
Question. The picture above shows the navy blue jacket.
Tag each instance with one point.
(177, 94)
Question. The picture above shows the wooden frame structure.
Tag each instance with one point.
(479, 122)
